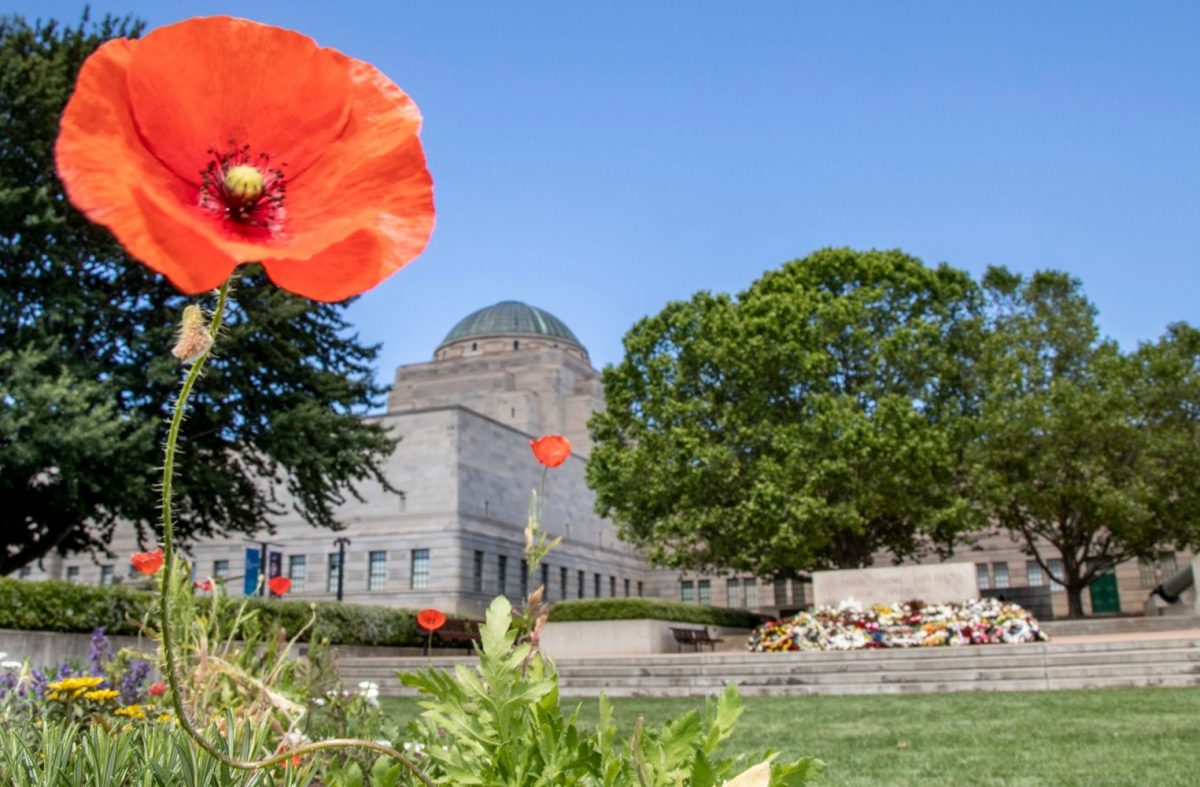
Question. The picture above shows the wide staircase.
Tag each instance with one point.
(1042, 666)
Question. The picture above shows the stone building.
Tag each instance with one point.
(503, 375)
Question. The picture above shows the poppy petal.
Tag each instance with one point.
(203, 83)
(347, 268)
(376, 169)
(108, 173)
(551, 450)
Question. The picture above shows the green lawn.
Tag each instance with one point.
(1104, 736)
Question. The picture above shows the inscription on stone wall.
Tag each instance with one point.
(942, 582)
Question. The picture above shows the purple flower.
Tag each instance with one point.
(101, 652)
(130, 684)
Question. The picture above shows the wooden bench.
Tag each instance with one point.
(454, 631)
(695, 638)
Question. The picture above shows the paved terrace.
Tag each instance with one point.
(1087, 654)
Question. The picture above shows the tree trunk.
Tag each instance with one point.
(1075, 601)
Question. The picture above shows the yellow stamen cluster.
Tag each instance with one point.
(102, 695)
(244, 182)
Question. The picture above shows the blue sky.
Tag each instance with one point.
(601, 159)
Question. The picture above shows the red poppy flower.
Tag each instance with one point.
(204, 584)
(218, 141)
(147, 562)
(158, 689)
(551, 450)
(279, 585)
(431, 619)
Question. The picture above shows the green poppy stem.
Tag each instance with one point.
(168, 583)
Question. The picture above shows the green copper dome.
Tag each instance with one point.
(509, 318)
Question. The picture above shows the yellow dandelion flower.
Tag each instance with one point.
(131, 711)
(166, 718)
(102, 695)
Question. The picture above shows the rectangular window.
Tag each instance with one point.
(612, 587)
(1056, 575)
(733, 592)
(596, 585)
(502, 574)
(750, 587)
(220, 569)
(1000, 575)
(641, 589)
(546, 580)
(626, 588)
(418, 578)
(704, 591)
(477, 572)
(562, 582)
(72, 573)
(524, 579)
(982, 576)
(686, 592)
(582, 583)
(376, 570)
(297, 568)
(1154, 571)
(106, 575)
(781, 591)
(335, 571)
(1034, 576)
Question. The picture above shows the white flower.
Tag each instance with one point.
(370, 691)
(319, 701)
(10, 664)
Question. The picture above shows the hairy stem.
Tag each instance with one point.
(168, 583)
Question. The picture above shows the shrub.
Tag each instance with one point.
(652, 608)
(68, 607)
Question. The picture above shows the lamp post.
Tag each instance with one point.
(341, 544)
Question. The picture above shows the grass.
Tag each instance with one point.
(1092, 737)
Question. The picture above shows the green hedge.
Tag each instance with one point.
(652, 608)
(68, 607)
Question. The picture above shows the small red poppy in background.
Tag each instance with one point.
(158, 689)
(431, 619)
(147, 562)
(279, 585)
(218, 141)
(551, 450)
(204, 584)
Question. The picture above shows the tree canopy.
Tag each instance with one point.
(86, 378)
(1085, 454)
(810, 422)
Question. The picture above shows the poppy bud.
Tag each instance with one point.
(194, 337)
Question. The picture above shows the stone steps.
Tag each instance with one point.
(1173, 662)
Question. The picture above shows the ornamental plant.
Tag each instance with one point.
(219, 141)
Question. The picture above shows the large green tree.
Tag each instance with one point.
(86, 379)
(810, 422)
(1085, 454)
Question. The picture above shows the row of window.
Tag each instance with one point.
(995, 575)
(738, 592)
(545, 571)
(297, 569)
